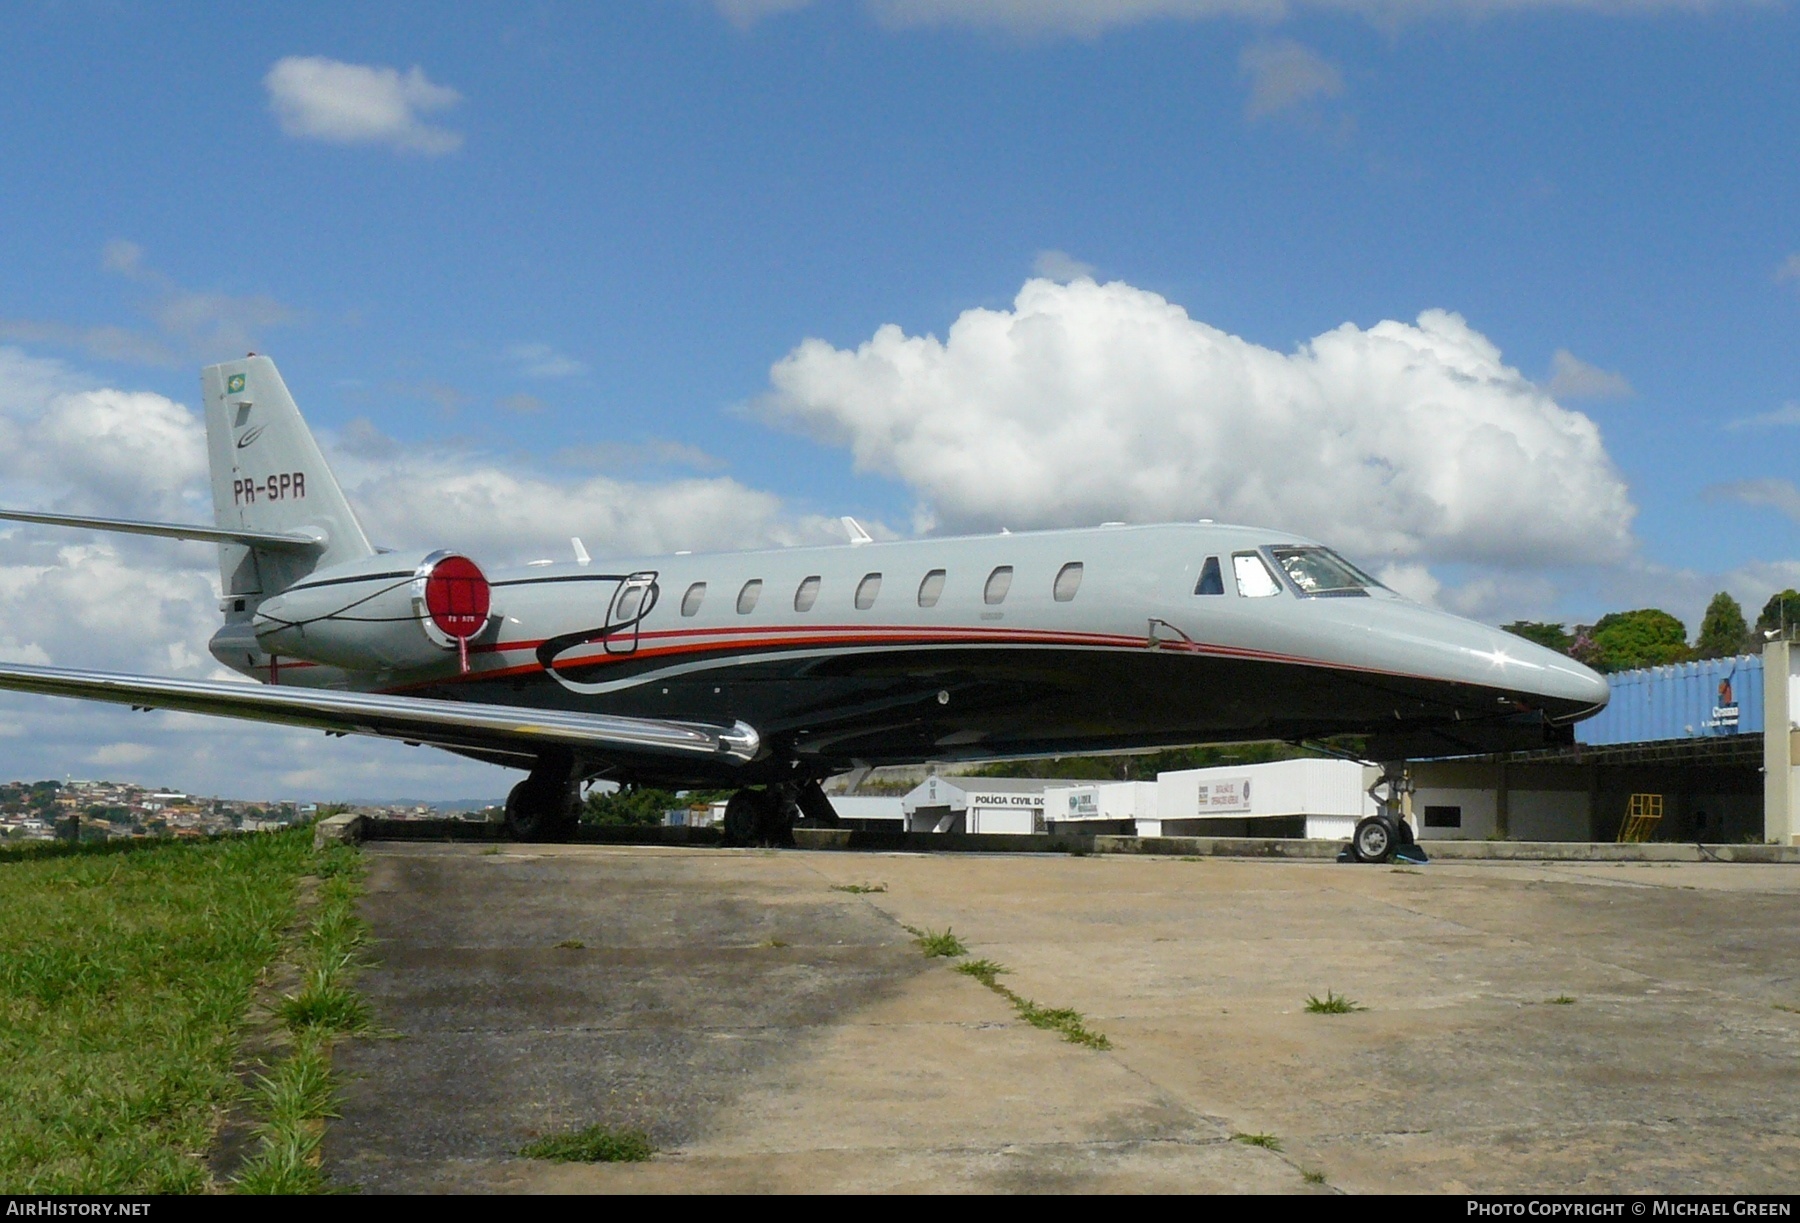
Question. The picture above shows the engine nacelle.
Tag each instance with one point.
(379, 613)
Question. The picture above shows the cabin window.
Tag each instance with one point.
(866, 590)
(690, 602)
(998, 583)
(1443, 817)
(1210, 583)
(630, 599)
(807, 595)
(1254, 581)
(1068, 581)
(748, 596)
(931, 588)
(1320, 571)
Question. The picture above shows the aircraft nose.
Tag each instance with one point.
(1467, 652)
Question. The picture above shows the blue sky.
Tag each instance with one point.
(599, 227)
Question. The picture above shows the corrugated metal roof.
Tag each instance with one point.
(1690, 700)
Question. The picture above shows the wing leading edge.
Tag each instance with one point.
(447, 724)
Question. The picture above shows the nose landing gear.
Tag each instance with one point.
(1387, 836)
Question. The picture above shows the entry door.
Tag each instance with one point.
(631, 602)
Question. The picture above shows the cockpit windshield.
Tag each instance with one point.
(1320, 571)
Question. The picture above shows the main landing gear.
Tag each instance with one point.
(767, 816)
(546, 806)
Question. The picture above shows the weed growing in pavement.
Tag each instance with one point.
(1071, 1023)
(775, 942)
(594, 1145)
(939, 943)
(859, 889)
(984, 971)
(1313, 1178)
(571, 944)
(1267, 1142)
(1332, 1004)
(1560, 1000)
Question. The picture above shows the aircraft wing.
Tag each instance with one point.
(447, 724)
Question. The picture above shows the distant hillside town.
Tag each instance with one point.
(107, 810)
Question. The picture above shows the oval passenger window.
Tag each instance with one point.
(998, 583)
(748, 596)
(629, 602)
(931, 588)
(807, 595)
(1068, 581)
(690, 602)
(866, 590)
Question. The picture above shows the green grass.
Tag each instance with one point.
(939, 943)
(984, 971)
(1561, 1000)
(594, 1145)
(571, 944)
(1313, 1178)
(1072, 1024)
(1332, 1004)
(298, 1094)
(1267, 1142)
(859, 889)
(126, 970)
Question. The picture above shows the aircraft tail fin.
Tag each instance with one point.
(268, 476)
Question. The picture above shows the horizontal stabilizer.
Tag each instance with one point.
(447, 724)
(280, 540)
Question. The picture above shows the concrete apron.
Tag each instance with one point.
(357, 828)
(1529, 1026)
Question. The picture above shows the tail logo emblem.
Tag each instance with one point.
(250, 436)
(234, 385)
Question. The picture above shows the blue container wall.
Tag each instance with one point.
(1690, 700)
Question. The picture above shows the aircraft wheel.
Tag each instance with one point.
(541, 809)
(776, 816)
(742, 812)
(1374, 840)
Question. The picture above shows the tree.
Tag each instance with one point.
(637, 807)
(1722, 631)
(1648, 637)
(1550, 636)
(1781, 613)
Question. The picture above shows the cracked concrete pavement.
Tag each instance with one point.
(773, 1033)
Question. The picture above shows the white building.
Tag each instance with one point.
(1118, 807)
(977, 804)
(1319, 799)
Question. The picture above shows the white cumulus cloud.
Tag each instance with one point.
(316, 98)
(1087, 402)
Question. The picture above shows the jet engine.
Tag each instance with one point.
(377, 614)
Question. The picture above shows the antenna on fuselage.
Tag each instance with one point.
(854, 529)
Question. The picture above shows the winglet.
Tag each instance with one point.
(581, 552)
(854, 529)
